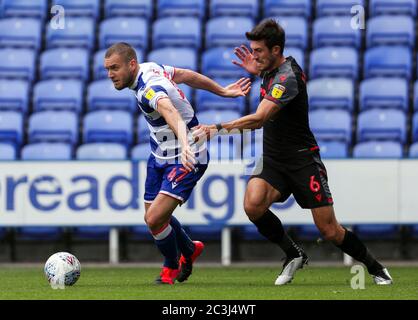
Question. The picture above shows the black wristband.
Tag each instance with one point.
(219, 127)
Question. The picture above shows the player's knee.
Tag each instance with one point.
(254, 208)
(152, 220)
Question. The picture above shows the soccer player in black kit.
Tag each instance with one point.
(291, 163)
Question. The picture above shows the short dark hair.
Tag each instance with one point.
(123, 49)
(270, 31)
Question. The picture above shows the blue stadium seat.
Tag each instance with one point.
(378, 149)
(333, 149)
(206, 100)
(17, 64)
(142, 130)
(413, 150)
(331, 125)
(377, 231)
(388, 61)
(415, 127)
(46, 151)
(24, 8)
(216, 62)
(227, 31)
(247, 8)
(335, 31)
(14, 95)
(217, 116)
(41, 233)
(384, 93)
(255, 95)
(57, 94)
(391, 30)
(108, 126)
(336, 7)
(177, 57)
(297, 54)
(131, 30)
(11, 127)
(101, 151)
(53, 126)
(101, 94)
(296, 29)
(334, 62)
(181, 8)
(7, 151)
(99, 71)
(378, 7)
(78, 32)
(381, 124)
(90, 8)
(331, 93)
(65, 63)
(126, 8)
(141, 151)
(288, 8)
(94, 233)
(177, 31)
(20, 33)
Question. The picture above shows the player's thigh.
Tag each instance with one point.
(160, 211)
(259, 196)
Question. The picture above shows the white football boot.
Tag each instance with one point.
(382, 277)
(290, 266)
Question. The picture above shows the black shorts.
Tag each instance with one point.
(308, 182)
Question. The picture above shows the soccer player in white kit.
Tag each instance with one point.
(176, 162)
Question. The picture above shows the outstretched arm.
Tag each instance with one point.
(200, 81)
(265, 111)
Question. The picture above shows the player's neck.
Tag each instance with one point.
(133, 84)
(278, 63)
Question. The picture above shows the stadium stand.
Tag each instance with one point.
(249, 8)
(127, 8)
(53, 89)
(14, 95)
(101, 151)
(58, 94)
(173, 31)
(47, 151)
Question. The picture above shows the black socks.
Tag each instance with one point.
(354, 247)
(270, 226)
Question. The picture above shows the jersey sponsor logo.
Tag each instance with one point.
(149, 94)
(278, 91)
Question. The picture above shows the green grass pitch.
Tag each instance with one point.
(207, 283)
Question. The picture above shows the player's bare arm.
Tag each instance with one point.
(265, 111)
(177, 124)
(199, 81)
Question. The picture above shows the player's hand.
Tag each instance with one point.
(238, 89)
(203, 132)
(247, 60)
(188, 158)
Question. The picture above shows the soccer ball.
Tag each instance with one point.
(62, 265)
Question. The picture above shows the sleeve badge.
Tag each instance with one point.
(278, 91)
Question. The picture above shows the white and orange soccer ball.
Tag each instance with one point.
(62, 269)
